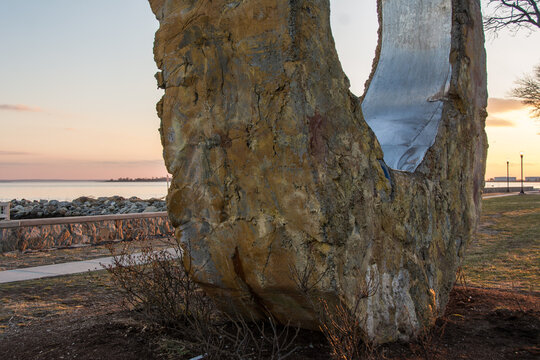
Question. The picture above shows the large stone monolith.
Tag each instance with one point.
(279, 170)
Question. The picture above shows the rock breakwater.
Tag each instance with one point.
(83, 206)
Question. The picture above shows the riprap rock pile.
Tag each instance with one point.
(83, 206)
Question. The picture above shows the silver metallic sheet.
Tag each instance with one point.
(403, 104)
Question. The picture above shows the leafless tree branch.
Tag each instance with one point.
(528, 91)
(512, 15)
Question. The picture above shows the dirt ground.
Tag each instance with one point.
(82, 317)
(69, 317)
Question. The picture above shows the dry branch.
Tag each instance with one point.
(512, 15)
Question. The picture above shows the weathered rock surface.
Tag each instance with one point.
(276, 171)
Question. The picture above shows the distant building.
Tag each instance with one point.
(532, 178)
(503, 178)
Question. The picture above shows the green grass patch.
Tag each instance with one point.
(506, 249)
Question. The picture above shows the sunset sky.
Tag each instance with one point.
(78, 94)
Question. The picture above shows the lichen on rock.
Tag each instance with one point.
(277, 173)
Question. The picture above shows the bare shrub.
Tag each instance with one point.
(423, 347)
(343, 326)
(461, 278)
(426, 345)
(237, 338)
(306, 279)
(158, 285)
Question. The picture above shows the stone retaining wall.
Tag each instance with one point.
(81, 230)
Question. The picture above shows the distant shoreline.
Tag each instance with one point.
(68, 190)
(48, 180)
(511, 182)
(138, 180)
(92, 180)
(163, 179)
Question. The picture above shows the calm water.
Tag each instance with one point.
(69, 190)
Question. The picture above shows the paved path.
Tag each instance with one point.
(488, 196)
(69, 268)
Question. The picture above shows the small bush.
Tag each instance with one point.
(341, 325)
(157, 284)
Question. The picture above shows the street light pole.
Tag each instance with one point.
(507, 176)
(522, 192)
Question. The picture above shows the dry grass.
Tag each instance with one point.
(506, 250)
(22, 303)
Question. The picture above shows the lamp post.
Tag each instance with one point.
(507, 176)
(521, 192)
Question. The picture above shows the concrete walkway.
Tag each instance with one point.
(488, 196)
(69, 268)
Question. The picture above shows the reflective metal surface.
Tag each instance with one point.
(403, 104)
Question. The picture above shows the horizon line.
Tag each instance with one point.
(109, 179)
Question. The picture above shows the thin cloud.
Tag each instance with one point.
(497, 105)
(497, 122)
(14, 153)
(19, 107)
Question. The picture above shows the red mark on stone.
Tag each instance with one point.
(317, 144)
(226, 141)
